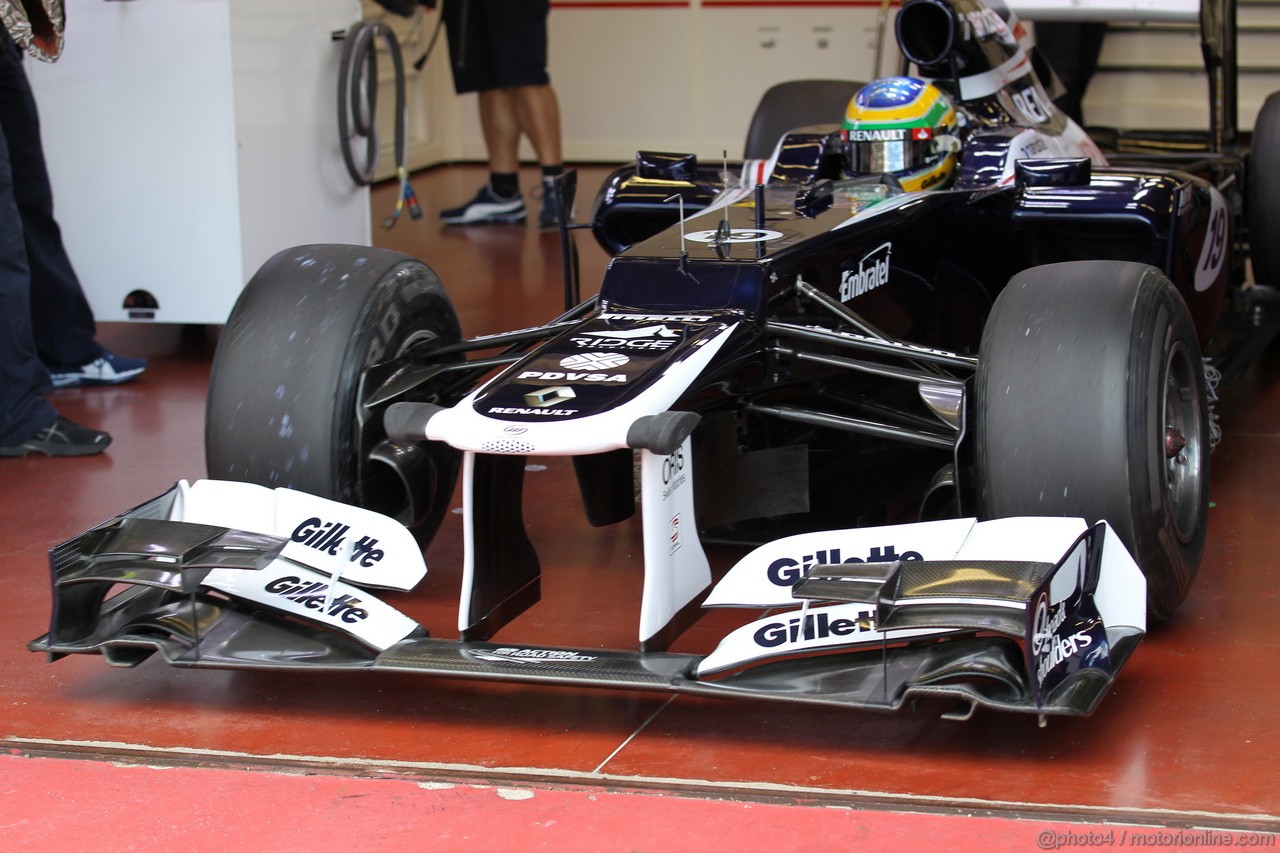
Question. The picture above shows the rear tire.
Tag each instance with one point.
(287, 400)
(1263, 194)
(1091, 402)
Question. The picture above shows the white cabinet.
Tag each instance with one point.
(188, 141)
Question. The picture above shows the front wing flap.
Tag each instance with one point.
(1024, 635)
(143, 582)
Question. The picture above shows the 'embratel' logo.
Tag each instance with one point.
(872, 271)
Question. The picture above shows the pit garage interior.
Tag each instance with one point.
(1183, 750)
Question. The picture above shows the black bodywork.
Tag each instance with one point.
(952, 251)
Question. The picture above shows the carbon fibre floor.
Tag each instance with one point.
(1188, 737)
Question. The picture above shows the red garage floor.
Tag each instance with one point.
(1188, 737)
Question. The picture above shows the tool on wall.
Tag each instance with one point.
(357, 108)
(357, 99)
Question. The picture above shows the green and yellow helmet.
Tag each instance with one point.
(904, 127)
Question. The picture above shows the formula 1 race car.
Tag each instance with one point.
(940, 369)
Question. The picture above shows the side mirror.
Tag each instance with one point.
(1054, 172)
(663, 166)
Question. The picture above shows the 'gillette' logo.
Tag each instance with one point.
(872, 271)
(785, 571)
(818, 626)
(312, 595)
(329, 536)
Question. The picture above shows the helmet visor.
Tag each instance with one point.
(886, 155)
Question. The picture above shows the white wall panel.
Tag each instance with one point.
(188, 140)
(686, 75)
(747, 50)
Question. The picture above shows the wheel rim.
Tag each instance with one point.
(382, 472)
(1181, 442)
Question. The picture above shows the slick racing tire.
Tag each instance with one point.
(1262, 197)
(291, 391)
(1091, 401)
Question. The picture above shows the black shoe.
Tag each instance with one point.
(487, 207)
(61, 438)
(550, 215)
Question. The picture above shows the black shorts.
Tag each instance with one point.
(497, 44)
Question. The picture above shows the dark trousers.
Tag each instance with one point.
(496, 44)
(1072, 49)
(44, 317)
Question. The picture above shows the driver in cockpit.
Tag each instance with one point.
(903, 127)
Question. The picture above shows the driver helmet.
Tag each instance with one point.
(904, 127)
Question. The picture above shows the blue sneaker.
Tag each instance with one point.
(106, 369)
(486, 207)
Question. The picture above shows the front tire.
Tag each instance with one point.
(1091, 401)
(289, 396)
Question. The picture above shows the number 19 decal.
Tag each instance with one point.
(1214, 250)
